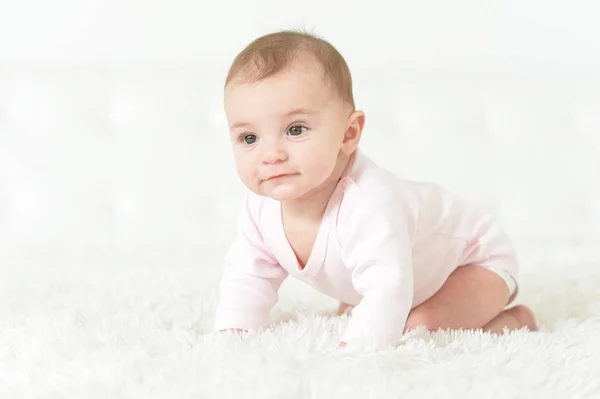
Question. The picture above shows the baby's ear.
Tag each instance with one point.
(356, 123)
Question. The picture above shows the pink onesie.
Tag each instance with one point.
(385, 245)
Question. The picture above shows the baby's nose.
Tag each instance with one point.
(274, 152)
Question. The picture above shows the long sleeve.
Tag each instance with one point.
(377, 249)
(251, 279)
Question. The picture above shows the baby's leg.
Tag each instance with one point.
(473, 297)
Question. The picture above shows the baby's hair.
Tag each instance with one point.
(272, 53)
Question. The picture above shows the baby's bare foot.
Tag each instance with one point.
(512, 319)
(524, 316)
(343, 308)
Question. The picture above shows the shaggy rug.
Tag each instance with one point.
(137, 324)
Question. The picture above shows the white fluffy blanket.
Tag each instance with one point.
(139, 326)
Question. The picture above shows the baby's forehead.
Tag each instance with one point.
(288, 87)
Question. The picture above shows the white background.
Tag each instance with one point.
(112, 133)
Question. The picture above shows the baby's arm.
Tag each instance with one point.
(377, 249)
(251, 280)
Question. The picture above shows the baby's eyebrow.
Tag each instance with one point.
(239, 125)
(299, 111)
(296, 111)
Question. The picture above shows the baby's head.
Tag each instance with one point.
(291, 114)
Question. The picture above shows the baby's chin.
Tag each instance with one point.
(281, 192)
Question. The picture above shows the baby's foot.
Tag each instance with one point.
(344, 308)
(524, 316)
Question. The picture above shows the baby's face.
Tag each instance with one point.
(287, 132)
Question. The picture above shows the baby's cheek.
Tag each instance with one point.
(246, 175)
(321, 169)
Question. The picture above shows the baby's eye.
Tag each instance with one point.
(249, 138)
(296, 130)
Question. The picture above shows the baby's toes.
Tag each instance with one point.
(344, 308)
(525, 317)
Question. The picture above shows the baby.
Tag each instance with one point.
(399, 254)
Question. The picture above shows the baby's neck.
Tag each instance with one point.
(312, 206)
